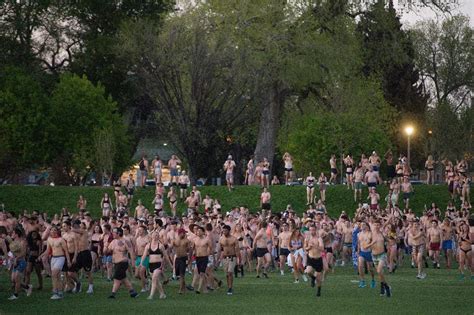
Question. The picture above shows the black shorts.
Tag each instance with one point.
(33, 259)
(201, 263)
(180, 265)
(315, 263)
(65, 267)
(183, 186)
(372, 184)
(328, 249)
(120, 270)
(391, 172)
(334, 170)
(83, 260)
(130, 191)
(261, 252)
(154, 266)
(284, 252)
(288, 169)
(266, 172)
(266, 206)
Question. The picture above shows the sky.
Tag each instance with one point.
(465, 7)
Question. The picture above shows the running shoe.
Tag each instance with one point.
(382, 290)
(230, 291)
(90, 290)
(297, 281)
(56, 297)
(29, 290)
(362, 284)
(305, 279)
(133, 295)
(162, 296)
(461, 277)
(388, 291)
(190, 288)
(372, 284)
(13, 297)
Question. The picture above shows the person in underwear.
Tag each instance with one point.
(314, 247)
(143, 168)
(173, 166)
(202, 248)
(284, 246)
(18, 254)
(229, 166)
(416, 239)
(391, 172)
(157, 166)
(322, 181)
(260, 247)
(435, 239)
(182, 248)
(229, 255)
(288, 161)
(429, 167)
(120, 250)
(333, 165)
(106, 205)
(349, 162)
(130, 187)
(465, 251)
(157, 254)
(359, 175)
(265, 176)
(379, 257)
(140, 242)
(265, 199)
(173, 199)
(365, 254)
(183, 182)
(297, 254)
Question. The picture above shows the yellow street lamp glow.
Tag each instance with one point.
(409, 130)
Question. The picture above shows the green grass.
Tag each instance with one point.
(52, 199)
(440, 293)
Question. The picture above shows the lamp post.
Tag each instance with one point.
(409, 131)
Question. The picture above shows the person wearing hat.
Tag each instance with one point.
(229, 255)
(182, 249)
(229, 166)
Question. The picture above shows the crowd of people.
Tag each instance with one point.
(157, 246)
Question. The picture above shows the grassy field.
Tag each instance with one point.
(52, 199)
(440, 293)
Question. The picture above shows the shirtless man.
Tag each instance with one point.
(435, 239)
(140, 210)
(183, 182)
(374, 199)
(130, 187)
(182, 247)
(230, 255)
(202, 248)
(84, 257)
(120, 250)
(57, 248)
(284, 246)
(447, 244)
(358, 179)
(141, 241)
(18, 250)
(407, 189)
(416, 239)
(375, 161)
(372, 178)
(229, 166)
(173, 166)
(260, 246)
(71, 241)
(314, 247)
(347, 230)
(288, 160)
(333, 164)
(265, 198)
(364, 240)
(380, 257)
(207, 203)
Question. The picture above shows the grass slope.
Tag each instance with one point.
(52, 199)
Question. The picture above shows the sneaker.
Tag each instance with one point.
(461, 277)
(362, 284)
(190, 288)
(149, 297)
(297, 281)
(372, 284)
(210, 288)
(382, 290)
(162, 296)
(112, 296)
(143, 290)
(56, 297)
(388, 291)
(230, 292)
(265, 275)
(134, 295)
(305, 279)
(90, 290)
(418, 276)
(13, 297)
(282, 272)
(29, 290)
(78, 287)
(438, 266)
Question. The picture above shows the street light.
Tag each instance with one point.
(409, 131)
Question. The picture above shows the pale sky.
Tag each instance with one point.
(466, 7)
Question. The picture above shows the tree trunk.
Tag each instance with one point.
(269, 124)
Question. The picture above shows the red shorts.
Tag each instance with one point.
(434, 246)
(373, 207)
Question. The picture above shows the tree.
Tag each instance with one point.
(24, 119)
(445, 58)
(105, 151)
(81, 111)
(193, 75)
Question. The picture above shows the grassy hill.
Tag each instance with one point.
(339, 198)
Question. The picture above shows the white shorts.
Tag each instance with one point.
(57, 263)
(210, 262)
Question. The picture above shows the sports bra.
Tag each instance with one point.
(157, 251)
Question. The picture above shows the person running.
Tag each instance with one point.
(156, 253)
(141, 261)
(202, 248)
(310, 181)
(120, 250)
(34, 248)
(229, 166)
(407, 189)
(260, 247)
(158, 204)
(182, 248)
(230, 256)
(447, 244)
(416, 239)
(314, 248)
(173, 166)
(18, 251)
(333, 165)
(379, 258)
(71, 241)
(365, 254)
(56, 246)
(288, 161)
(372, 178)
(284, 246)
(173, 199)
(84, 257)
(297, 254)
(435, 239)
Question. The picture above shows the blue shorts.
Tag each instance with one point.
(146, 262)
(107, 259)
(448, 244)
(20, 265)
(366, 255)
(174, 172)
